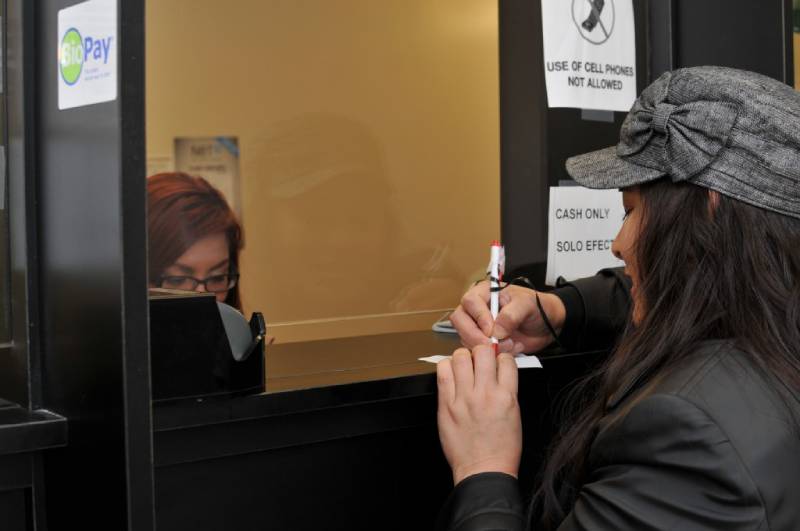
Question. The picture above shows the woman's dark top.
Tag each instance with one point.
(709, 445)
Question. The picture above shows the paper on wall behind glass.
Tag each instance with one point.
(216, 159)
(582, 225)
(589, 54)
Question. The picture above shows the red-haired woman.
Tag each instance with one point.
(194, 237)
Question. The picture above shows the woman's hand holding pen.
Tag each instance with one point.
(519, 325)
(479, 420)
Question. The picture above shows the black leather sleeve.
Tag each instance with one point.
(483, 502)
(597, 310)
(666, 466)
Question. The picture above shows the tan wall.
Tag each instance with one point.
(369, 147)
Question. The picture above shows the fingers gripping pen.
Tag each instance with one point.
(496, 268)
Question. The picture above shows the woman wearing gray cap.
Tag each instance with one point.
(694, 420)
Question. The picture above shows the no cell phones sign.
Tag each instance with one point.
(589, 54)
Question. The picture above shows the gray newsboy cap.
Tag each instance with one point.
(732, 131)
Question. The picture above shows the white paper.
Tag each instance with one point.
(590, 62)
(87, 54)
(444, 327)
(216, 159)
(582, 225)
(528, 362)
(523, 361)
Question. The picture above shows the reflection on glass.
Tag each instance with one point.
(331, 212)
(369, 149)
(194, 237)
(5, 257)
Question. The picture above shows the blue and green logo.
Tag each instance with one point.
(71, 56)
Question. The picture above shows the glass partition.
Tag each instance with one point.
(357, 142)
(5, 255)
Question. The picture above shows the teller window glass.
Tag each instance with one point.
(357, 142)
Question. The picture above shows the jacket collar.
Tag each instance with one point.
(623, 391)
(633, 383)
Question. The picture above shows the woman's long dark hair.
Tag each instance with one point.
(711, 268)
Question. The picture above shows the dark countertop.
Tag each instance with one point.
(323, 374)
(315, 375)
(23, 430)
(348, 423)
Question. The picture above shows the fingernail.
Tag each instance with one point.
(499, 332)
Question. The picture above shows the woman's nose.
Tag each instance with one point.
(615, 248)
(201, 288)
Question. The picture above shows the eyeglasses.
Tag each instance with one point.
(213, 284)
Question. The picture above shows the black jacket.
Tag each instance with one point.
(708, 446)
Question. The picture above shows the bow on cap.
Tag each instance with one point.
(681, 140)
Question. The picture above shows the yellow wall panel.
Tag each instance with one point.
(369, 142)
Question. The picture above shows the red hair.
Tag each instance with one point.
(183, 209)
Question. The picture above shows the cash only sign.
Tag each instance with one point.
(589, 54)
(581, 228)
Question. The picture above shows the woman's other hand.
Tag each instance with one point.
(479, 421)
(519, 325)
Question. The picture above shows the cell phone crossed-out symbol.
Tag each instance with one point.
(594, 17)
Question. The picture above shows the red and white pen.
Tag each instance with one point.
(496, 268)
